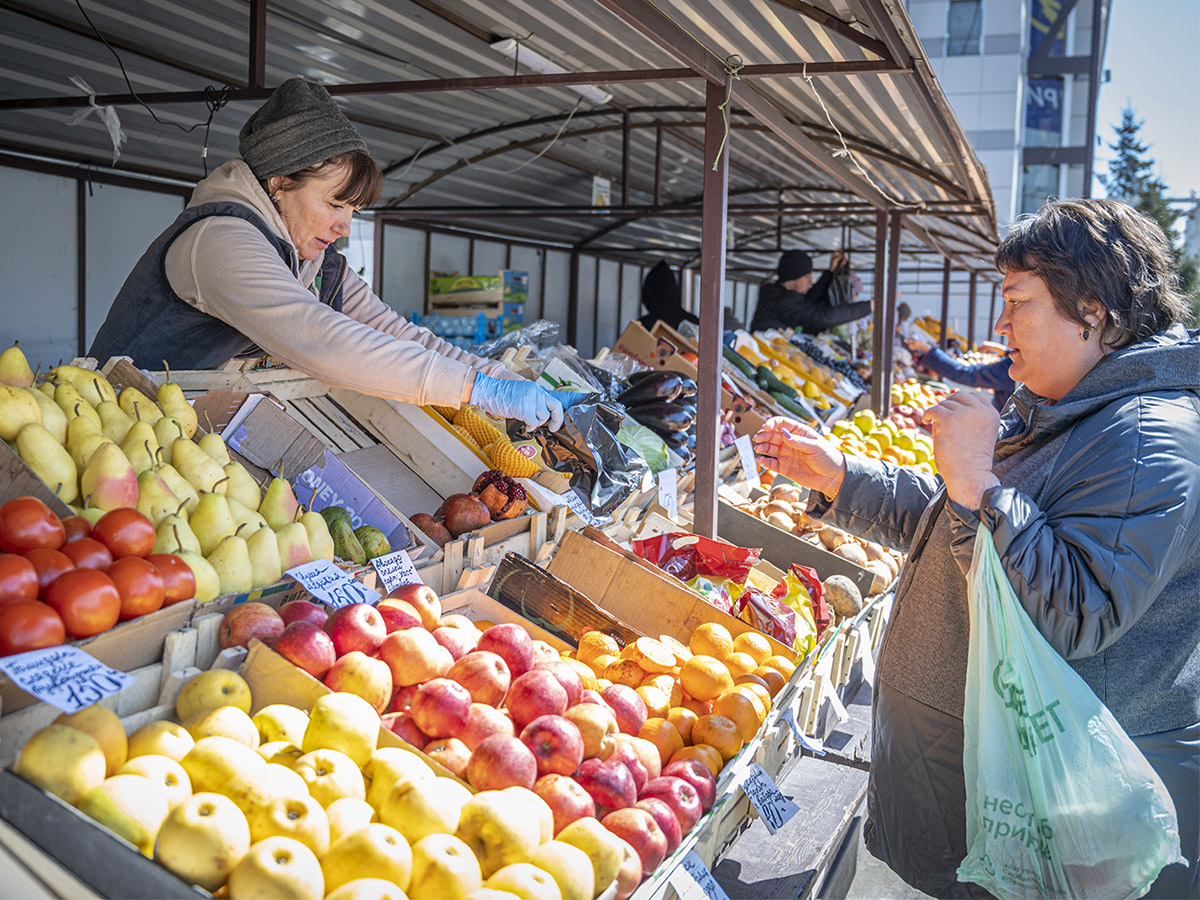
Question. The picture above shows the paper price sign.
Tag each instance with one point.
(668, 491)
(65, 677)
(746, 454)
(773, 808)
(812, 744)
(331, 585)
(395, 569)
(692, 880)
(575, 503)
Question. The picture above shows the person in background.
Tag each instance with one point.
(662, 298)
(904, 321)
(249, 269)
(1090, 487)
(993, 376)
(793, 301)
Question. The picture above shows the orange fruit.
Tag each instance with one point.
(748, 679)
(740, 663)
(740, 710)
(706, 754)
(711, 639)
(753, 643)
(602, 684)
(785, 666)
(699, 707)
(684, 720)
(601, 663)
(596, 643)
(759, 696)
(586, 675)
(704, 677)
(663, 682)
(657, 703)
(773, 677)
(625, 671)
(484, 624)
(720, 733)
(676, 647)
(653, 656)
(663, 735)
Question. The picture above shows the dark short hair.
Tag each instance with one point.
(364, 180)
(1100, 250)
(903, 310)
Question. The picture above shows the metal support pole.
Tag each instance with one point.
(625, 158)
(945, 303)
(879, 296)
(377, 261)
(81, 196)
(257, 76)
(712, 283)
(658, 133)
(573, 300)
(1089, 157)
(971, 309)
(992, 307)
(888, 325)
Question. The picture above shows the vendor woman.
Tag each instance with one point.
(248, 269)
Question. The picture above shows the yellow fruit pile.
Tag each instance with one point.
(480, 426)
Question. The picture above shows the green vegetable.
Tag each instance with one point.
(770, 383)
(738, 361)
(790, 404)
(645, 443)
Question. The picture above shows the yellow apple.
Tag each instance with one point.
(367, 889)
(377, 851)
(259, 787)
(104, 725)
(223, 721)
(280, 722)
(285, 753)
(278, 867)
(499, 830)
(421, 808)
(538, 808)
(569, 866)
(210, 689)
(202, 839)
(163, 771)
(161, 738)
(65, 761)
(215, 761)
(130, 806)
(346, 815)
(487, 893)
(389, 765)
(444, 868)
(601, 845)
(344, 722)
(330, 775)
(301, 818)
(525, 880)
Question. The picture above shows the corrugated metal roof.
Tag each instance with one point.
(485, 151)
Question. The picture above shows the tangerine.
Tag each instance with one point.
(657, 703)
(711, 639)
(785, 666)
(596, 643)
(753, 643)
(663, 735)
(705, 678)
(684, 720)
(720, 733)
(740, 663)
(705, 753)
(773, 677)
(739, 709)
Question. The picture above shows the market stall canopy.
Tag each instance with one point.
(834, 112)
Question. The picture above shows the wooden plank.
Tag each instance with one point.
(344, 421)
(318, 426)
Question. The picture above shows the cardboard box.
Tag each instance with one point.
(18, 480)
(516, 286)
(465, 294)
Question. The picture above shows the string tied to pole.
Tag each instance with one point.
(733, 66)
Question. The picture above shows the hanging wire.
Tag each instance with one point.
(733, 65)
(545, 149)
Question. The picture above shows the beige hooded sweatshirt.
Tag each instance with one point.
(226, 268)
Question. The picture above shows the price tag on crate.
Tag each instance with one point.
(395, 569)
(575, 503)
(745, 451)
(773, 808)
(692, 880)
(668, 491)
(864, 646)
(65, 677)
(813, 745)
(331, 585)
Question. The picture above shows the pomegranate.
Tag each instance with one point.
(504, 498)
(433, 528)
(462, 513)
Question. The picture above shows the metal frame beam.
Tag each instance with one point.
(879, 385)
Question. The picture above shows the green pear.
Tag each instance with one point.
(174, 534)
(345, 544)
(167, 431)
(155, 501)
(50, 460)
(242, 486)
(208, 582)
(293, 545)
(73, 403)
(200, 469)
(244, 515)
(108, 479)
(319, 542)
(113, 421)
(91, 384)
(172, 402)
(139, 406)
(214, 445)
(279, 506)
(53, 417)
(211, 521)
(263, 548)
(374, 542)
(18, 408)
(180, 486)
(231, 561)
(92, 513)
(14, 367)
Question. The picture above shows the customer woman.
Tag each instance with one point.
(249, 270)
(1092, 494)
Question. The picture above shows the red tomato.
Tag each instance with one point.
(49, 564)
(76, 527)
(87, 600)
(18, 578)
(140, 585)
(179, 582)
(27, 522)
(29, 625)
(126, 532)
(88, 553)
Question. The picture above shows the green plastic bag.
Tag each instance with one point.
(1060, 802)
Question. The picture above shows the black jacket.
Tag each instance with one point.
(811, 313)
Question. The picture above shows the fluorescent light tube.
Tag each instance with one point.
(532, 59)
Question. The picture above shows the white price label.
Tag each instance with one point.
(65, 677)
(395, 569)
(745, 451)
(692, 880)
(668, 491)
(773, 808)
(839, 708)
(576, 505)
(331, 585)
(868, 660)
(813, 745)
(647, 480)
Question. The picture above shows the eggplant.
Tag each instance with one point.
(657, 387)
(675, 439)
(635, 377)
(688, 389)
(661, 416)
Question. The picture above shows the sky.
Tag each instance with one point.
(1153, 53)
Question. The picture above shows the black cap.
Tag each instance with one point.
(794, 264)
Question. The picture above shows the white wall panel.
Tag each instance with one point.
(557, 293)
(449, 254)
(586, 295)
(490, 257)
(631, 294)
(608, 304)
(404, 284)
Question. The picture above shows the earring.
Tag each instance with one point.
(1087, 332)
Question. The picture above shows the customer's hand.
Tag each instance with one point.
(797, 452)
(838, 259)
(965, 427)
(517, 399)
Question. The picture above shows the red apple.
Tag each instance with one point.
(566, 799)
(457, 620)
(640, 830)
(307, 646)
(536, 693)
(484, 674)
(665, 817)
(424, 599)
(402, 698)
(303, 610)
(699, 776)
(556, 743)
(629, 875)
(609, 784)
(646, 751)
(398, 614)
(501, 762)
(482, 722)
(458, 641)
(356, 626)
(625, 755)
(567, 677)
(543, 653)
(598, 726)
(451, 753)
(587, 695)
(440, 707)
(629, 707)
(679, 795)
(249, 620)
(402, 725)
(513, 644)
(357, 673)
(414, 656)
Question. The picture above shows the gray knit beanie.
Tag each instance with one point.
(299, 126)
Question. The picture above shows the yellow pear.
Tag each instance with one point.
(108, 480)
(211, 689)
(84, 447)
(130, 806)
(104, 725)
(203, 839)
(172, 402)
(285, 753)
(53, 417)
(279, 506)
(14, 367)
(444, 868)
(231, 561)
(390, 766)
(320, 544)
(163, 771)
(94, 386)
(526, 881)
(376, 851)
(139, 406)
(156, 501)
(200, 469)
(493, 825)
(167, 431)
(161, 738)
(242, 487)
(601, 845)
(73, 403)
(211, 521)
(279, 867)
(293, 545)
(264, 557)
(419, 809)
(180, 486)
(330, 775)
(208, 583)
(246, 519)
(139, 447)
(49, 460)
(18, 408)
(173, 534)
(569, 866)
(114, 423)
(65, 761)
(47, 388)
(345, 722)
(214, 445)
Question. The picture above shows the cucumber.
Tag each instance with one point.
(770, 383)
(738, 361)
(790, 404)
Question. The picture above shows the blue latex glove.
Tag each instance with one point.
(569, 398)
(517, 399)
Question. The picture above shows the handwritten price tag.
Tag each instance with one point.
(64, 677)
(773, 808)
(746, 454)
(395, 569)
(668, 491)
(331, 585)
(576, 505)
(813, 745)
(692, 880)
